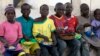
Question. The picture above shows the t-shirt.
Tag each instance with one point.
(72, 23)
(11, 32)
(26, 25)
(81, 21)
(96, 23)
(45, 28)
(59, 22)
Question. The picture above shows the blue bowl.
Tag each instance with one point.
(88, 33)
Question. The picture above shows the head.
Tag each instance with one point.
(25, 10)
(97, 14)
(44, 10)
(59, 9)
(68, 8)
(10, 13)
(84, 9)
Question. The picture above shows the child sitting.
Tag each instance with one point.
(11, 33)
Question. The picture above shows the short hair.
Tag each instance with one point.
(83, 5)
(68, 3)
(25, 4)
(95, 11)
(43, 5)
(58, 4)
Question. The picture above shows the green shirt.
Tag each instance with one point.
(26, 25)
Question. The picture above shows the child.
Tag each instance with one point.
(10, 33)
(29, 44)
(43, 31)
(83, 19)
(59, 21)
(72, 22)
(96, 23)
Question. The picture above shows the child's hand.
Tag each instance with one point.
(26, 38)
(46, 39)
(54, 43)
(60, 30)
(6, 45)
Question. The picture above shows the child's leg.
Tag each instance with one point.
(61, 45)
(53, 51)
(37, 52)
(7, 53)
(35, 49)
(74, 46)
(16, 53)
(84, 48)
(44, 51)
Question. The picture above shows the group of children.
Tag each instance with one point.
(44, 36)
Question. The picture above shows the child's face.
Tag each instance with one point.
(25, 11)
(10, 14)
(85, 10)
(97, 16)
(44, 10)
(69, 8)
(59, 10)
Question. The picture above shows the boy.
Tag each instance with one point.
(83, 19)
(72, 22)
(27, 24)
(59, 20)
(43, 31)
(96, 23)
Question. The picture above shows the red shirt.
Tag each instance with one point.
(72, 23)
(63, 21)
(59, 22)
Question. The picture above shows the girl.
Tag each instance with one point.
(10, 33)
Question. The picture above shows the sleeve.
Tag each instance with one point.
(76, 24)
(50, 17)
(93, 24)
(2, 32)
(35, 31)
(52, 26)
(20, 35)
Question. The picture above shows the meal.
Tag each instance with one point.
(11, 48)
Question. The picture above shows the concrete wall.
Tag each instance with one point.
(93, 4)
(3, 4)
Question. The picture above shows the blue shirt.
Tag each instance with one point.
(26, 25)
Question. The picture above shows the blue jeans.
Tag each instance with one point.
(45, 51)
(74, 46)
(61, 45)
(84, 50)
(11, 53)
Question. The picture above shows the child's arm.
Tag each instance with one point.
(53, 38)
(2, 33)
(20, 35)
(4, 41)
(96, 28)
(17, 41)
(26, 37)
(42, 36)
